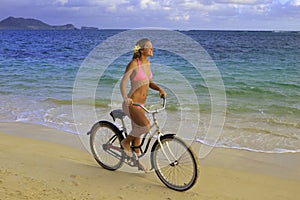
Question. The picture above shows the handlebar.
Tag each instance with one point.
(153, 111)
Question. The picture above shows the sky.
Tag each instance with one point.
(170, 14)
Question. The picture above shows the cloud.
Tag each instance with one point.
(198, 5)
(179, 17)
(111, 5)
(165, 13)
(295, 3)
(156, 5)
(149, 4)
(244, 2)
(62, 2)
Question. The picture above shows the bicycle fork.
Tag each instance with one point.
(170, 152)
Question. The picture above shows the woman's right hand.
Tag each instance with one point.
(129, 101)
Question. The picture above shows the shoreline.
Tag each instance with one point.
(241, 130)
(38, 162)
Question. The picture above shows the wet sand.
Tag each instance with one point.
(38, 162)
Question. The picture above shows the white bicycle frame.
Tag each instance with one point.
(155, 124)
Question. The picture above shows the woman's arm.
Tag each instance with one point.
(126, 76)
(154, 86)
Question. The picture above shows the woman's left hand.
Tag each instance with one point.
(162, 93)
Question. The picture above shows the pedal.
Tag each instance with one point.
(128, 158)
(135, 156)
(131, 161)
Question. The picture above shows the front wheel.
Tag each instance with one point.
(175, 163)
(105, 140)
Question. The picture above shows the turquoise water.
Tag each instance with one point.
(260, 71)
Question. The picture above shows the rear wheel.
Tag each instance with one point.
(105, 142)
(175, 163)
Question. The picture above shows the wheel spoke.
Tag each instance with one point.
(105, 145)
(181, 173)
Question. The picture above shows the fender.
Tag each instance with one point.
(104, 123)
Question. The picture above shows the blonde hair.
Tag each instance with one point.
(138, 47)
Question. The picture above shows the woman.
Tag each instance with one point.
(140, 75)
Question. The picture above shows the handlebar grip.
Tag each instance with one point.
(164, 101)
(154, 111)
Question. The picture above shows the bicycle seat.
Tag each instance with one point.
(117, 114)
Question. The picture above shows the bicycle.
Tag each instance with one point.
(173, 160)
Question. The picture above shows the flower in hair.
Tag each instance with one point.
(136, 48)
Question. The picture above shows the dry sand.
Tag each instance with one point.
(37, 162)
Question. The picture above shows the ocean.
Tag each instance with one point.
(260, 71)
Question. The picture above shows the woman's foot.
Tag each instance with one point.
(126, 148)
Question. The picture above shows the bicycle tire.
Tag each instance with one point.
(104, 133)
(182, 173)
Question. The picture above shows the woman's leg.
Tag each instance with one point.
(126, 144)
(140, 125)
(136, 142)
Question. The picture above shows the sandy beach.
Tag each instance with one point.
(38, 162)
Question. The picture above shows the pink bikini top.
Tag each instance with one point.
(140, 75)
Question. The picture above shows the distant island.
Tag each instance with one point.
(12, 23)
